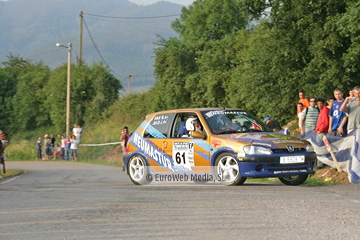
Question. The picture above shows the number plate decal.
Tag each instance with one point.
(183, 154)
(292, 159)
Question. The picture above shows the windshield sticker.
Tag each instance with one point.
(214, 113)
(159, 120)
(183, 154)
(235, 112)
(153, 152)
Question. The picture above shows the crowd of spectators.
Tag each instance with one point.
(66, 149)
(338, 116)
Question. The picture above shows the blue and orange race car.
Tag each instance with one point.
(230, 144)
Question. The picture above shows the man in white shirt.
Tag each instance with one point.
(77, 130)
(73, 148)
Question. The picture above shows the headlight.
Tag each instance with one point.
(309, 148)
(256, 150)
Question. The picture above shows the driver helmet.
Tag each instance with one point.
(190, 123)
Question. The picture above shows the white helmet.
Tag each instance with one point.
(190, 123)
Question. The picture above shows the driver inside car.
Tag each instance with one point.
(193, 124)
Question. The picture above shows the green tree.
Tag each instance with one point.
(29, 111)
(7, 91)
(193, 70)
(208, 20)
(93, 90)
(15, 65)
(174, 62)
(106, 90)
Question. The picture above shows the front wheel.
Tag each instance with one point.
(138, 171)
(294, 180)
(227, 170)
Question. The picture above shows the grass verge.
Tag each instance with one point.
(10, 173)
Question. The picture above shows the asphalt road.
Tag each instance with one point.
(67, 200)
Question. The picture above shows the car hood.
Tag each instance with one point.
(266, 139)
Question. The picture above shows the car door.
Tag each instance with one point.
(188, 154)
(154, 145)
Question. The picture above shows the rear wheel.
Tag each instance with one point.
(294, 180)
(227, 170)
(138, 171)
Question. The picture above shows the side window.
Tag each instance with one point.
(179, 124)
(159, 126)
(179, 127)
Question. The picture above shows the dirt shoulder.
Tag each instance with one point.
(115, 155)
(331, 175)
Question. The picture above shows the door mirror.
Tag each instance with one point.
(195, 134)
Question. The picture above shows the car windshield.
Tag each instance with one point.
(233, 121)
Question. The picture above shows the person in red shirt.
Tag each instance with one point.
(322, 125)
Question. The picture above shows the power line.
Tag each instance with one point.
(132, 17)
(101, 16)
(97, 49)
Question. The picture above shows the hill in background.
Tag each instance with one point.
(30, 29)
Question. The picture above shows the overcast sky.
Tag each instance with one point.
(146, 2)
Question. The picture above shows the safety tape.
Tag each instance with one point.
(99, 144)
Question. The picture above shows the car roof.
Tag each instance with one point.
(194, 109)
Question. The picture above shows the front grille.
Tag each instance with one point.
(284, 150)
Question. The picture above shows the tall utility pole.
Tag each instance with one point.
(81, 37)
(68, 92)
(68, 87)
(129, 78)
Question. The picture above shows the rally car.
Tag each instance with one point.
(230, 144)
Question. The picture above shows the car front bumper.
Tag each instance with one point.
(263, 167)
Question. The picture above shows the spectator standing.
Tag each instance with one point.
(38, 149)
(63, 139)
(67, 148)
(352, 107)
(1, 148)
(305, 102)
(309, 117)
(351, 92)
(47, 144)
(77, 130)
(73, 148)
(74, 130)
(273, 124)
(79, 133)
(3, 144)
(124, 138)
(322, 125)
(329, 102)
(299, 108)
(52, 138)
(338, 119)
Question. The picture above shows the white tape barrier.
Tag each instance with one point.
(99, 144)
